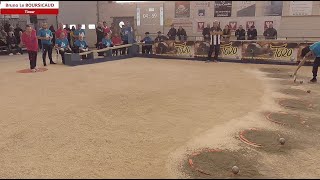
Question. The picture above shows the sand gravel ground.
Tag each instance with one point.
(133, 118)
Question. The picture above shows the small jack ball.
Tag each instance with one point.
(301, 82)
(308, 91)
(282, 141)
(235, 170)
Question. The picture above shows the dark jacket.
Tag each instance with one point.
(206, 31)
(160, 38)
(226, 32)
(270, 33)
(11, 40)
(172, 33)
(100, 34)
(252, 34)
(241, 33)
(182, 34)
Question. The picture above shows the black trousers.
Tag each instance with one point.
(33, 59)
(14, 46)
(216, 50)
(61, 52)
(146, 49)
(316, 65)
(46, 48)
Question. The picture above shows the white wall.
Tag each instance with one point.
(82, 12)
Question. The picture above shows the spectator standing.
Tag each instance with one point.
(206, 33)
(127, 34)
(61, 30)
(270, 33)
(182, 34)
(17, 32)
(226, 33)
(147, 44)
(45, 35)
(72, 37)
(67, 28)
(215, 42)
(106, 28)
(13, 44)
(100, 33)
(240, 33)
(252, 33)
(172, 33)
(114, 29)
(29, 39)
(53, 34)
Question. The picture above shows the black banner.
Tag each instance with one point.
(222, 8)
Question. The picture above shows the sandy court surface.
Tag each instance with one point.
(119, 119)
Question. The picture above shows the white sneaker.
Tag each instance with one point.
(33, 70)
(11, 54)
(18, 53)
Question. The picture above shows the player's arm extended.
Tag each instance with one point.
(302, 62)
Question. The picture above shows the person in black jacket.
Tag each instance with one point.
(161, 44)
(252, 33)
(13, 44)
(240, 33)
(206, 33)
(182, 34)
(100, 33)
(172, 33)
(17, 32)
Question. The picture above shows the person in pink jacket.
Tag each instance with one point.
(30, 40)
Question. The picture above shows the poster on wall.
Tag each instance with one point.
(222, 8)
(233, 25)
(200, 26)
(201, 12)
(267, 24)
(246, 8)
(300, 8)
(249, 24)
(272, 8)
(182, 9)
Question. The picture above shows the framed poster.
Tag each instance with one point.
(182, 9)
(300, 8)
(272, 8)
(201, 12)
(222, 8)
(267, 24)
(200, 26)
(249, 24)
(233, 25)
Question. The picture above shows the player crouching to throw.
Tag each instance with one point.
(306, 52)
(62, 46)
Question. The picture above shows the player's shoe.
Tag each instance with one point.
(313, 80)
